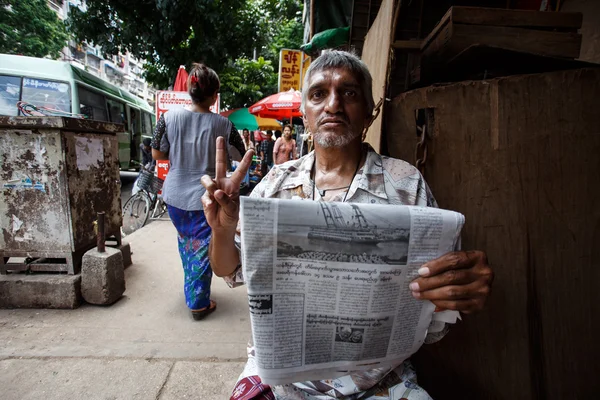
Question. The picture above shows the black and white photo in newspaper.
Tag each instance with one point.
(328, 283)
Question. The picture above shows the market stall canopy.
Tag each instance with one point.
(242, 119)
(283, 105)
(181, 80)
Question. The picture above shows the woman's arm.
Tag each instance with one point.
(276, 150)
(236, 140)
(160, 151)
(294, 150)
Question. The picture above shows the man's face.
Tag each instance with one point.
(335, 110)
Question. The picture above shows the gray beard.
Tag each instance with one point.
(331, 140)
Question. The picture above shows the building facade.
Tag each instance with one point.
(124, 71)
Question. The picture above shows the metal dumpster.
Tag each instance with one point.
(56, 174)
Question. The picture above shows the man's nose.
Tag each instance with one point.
(333, 103)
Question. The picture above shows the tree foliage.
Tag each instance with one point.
(31, 28)
(169, 33)
(221, 33)
(244, 82)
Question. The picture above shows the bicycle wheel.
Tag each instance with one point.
(136, 212)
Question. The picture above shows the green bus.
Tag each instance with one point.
(62, 86)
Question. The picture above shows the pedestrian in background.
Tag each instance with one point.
(146, 150)
(187, 137)
(285, 147)
(248, 144)
(266, 153)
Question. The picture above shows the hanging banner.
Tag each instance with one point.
(290, 70)
(168, 100)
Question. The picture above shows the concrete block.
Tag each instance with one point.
(102, 276)
(126, 253)
(40, 291)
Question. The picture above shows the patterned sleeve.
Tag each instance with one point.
(159, 133)
(236, 140)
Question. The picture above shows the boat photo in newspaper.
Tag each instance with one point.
(344, 233)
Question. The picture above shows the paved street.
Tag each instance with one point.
(146, 346)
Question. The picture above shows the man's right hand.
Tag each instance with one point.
(221, 200)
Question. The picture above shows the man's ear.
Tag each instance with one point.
(305, 122)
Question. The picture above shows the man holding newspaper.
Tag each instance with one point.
(338, 106)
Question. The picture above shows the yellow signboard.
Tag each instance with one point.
(290, 69)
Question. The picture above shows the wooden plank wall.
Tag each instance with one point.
(375, 54)
(520, 157)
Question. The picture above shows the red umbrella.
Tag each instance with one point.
(279, 106)
(181, 80)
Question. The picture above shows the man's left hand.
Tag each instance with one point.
(460, 281)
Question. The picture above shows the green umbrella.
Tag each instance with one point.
(242, 119)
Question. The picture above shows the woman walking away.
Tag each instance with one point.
(285, 147)
(187, 137)
(248, 144)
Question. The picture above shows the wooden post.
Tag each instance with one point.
(312, 19)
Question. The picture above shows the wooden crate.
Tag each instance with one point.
(537, 32)
(518, 156)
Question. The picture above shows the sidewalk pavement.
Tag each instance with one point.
(145, 346)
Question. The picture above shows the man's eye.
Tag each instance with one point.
(317, 95)
(350, 93)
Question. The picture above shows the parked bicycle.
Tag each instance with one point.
(146, 204)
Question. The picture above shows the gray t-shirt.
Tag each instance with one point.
(190, 139)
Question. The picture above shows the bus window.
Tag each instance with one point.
(92, 104)
(116, 111)
(49, 94)
(146, 124)
(10, 93)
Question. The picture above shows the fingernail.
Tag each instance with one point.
(423, 271)
(416, 295)
(414, 286)
(219, 194)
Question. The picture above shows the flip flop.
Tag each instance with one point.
(203, 312)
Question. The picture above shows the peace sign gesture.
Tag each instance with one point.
(221, 199)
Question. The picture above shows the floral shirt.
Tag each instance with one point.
(381, 180)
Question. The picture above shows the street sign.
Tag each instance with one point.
(168, 100)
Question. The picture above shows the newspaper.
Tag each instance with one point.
(328, 283)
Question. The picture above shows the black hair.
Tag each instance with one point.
(203, 83)
(147, 141)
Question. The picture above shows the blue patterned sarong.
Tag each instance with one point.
(193, 237)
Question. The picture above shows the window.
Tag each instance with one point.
(49, 94)
(92, 104)
(116, 111)
(10, 94)
(146, 124)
